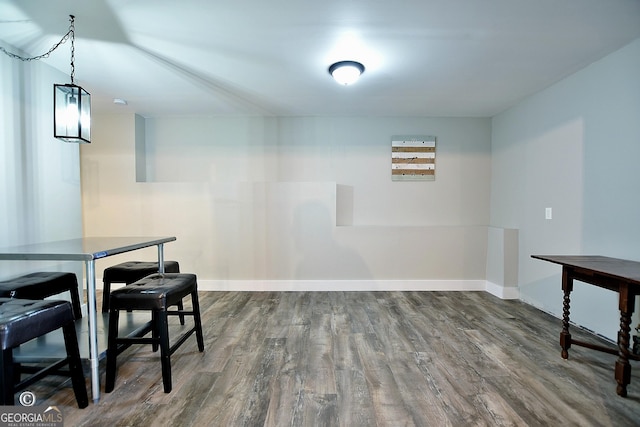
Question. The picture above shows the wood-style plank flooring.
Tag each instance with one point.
(364, 359)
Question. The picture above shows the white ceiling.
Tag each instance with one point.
(422, 57)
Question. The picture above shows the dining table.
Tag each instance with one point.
(87, 250)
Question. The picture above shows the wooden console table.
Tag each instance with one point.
(619, 275)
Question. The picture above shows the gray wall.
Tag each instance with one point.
(39, 175)
(575, 148)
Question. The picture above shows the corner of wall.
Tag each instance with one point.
(502, 262)
(344, 205)
(141, 153)
(503, 292)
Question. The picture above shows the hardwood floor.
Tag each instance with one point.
(364, 359)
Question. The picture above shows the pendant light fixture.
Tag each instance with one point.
(71, 104)
(346, 72)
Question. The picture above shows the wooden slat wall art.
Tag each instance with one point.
(413, 158)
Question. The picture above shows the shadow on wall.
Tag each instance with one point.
(321, 257)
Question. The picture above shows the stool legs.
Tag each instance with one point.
(106, 291)
(163, 335)
(196, 319)
(160, 333)
(165, 351)
(112, 351)
(75, 303)
(8, 379)
(75, 364)
(160, 338)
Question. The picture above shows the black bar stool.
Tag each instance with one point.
(129, 272)
(41, 285)
(154, 293)
(23, 320)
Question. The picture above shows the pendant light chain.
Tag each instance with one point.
(69, 34)
(72, 33)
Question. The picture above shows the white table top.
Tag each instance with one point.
(83, 249)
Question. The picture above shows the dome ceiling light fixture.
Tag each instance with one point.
(346, 72)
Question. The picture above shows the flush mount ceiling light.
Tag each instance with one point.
(346, 72)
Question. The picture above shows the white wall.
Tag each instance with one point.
(291, 198)
(575, 148)
(40, 175)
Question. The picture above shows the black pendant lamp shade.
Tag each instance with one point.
(71, 113)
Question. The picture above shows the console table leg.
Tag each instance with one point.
(565, 336)
(623, 368)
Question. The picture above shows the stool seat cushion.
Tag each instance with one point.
(30, 286)
(43, 284)
(130, 271)
(156, 291)
(22, 320)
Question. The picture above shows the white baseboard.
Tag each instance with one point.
(354, 285)
(341, 285)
